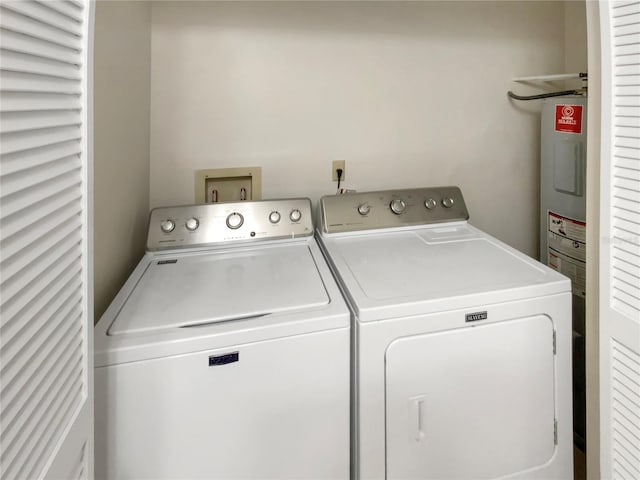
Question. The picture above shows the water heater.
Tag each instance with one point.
(563, 219)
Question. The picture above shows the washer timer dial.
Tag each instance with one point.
(192, 224)
(235, 220)
(167, 225)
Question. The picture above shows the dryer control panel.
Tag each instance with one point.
(220, 223)
(391, 208)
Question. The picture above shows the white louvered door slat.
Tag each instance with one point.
(35, 177)
(34, 337)
(15, 455)
(68, 9)
(42, 307)
(15, 264)
(25, 102)
(22, 82)
(16, 62)
(29, 218)
(17, 22)
(25, 121)
(37, 156)
(19, 42)
(54, 221)
(36, 272)
(626, 111)
(46, 305)
(46, 15)
(43, 138)
(620, 241)
(632, 39)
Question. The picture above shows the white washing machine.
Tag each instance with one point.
(461, 344)
(226, 353)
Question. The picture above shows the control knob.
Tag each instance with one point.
(274, 217)
(295, 215)
(447, 202)
(364, 209)
(235, 220)
(167, 225)
(430, 203)
(397, 206)
(192, 224)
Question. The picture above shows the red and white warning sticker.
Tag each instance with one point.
(567, 227)
(566, 253)
(569, 118)
(572, 268)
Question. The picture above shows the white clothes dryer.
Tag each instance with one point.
(461, 344)
(226, 353)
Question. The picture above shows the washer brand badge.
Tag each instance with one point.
(474, 317)
(216, 360)
(569, 118)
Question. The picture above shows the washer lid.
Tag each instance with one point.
(191, 290)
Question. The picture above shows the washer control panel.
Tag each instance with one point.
(219, 223)
(391, 208)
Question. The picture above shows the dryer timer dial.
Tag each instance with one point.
(397, 206)
(295, 215)
(274, 217)
(364, 209)
(447, 202)
(430, 203)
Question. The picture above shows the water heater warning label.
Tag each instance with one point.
(566, 253)
(569, 118)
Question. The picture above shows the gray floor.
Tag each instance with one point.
(579, 464)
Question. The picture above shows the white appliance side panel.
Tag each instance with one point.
(280, 412)
(476, 402)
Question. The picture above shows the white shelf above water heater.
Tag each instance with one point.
(552, 78)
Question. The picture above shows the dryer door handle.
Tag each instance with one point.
(417, 418)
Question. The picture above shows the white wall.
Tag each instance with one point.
(575, 36)
(409, 94)
(122, 56)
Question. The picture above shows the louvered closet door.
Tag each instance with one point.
(620, 241)
(46, 306)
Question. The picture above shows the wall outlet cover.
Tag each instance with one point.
(335, 165)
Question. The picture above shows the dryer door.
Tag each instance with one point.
(474, 402)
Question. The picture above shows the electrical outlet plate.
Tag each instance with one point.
(228, 184)
(336, 164)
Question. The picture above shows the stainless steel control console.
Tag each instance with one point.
(391, 208)
(201, 225)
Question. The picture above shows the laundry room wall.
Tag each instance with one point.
(408, 93)
(575, 36)
(122, 42)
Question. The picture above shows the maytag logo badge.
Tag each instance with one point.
(474, 317)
